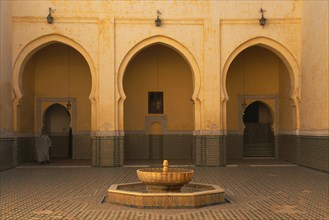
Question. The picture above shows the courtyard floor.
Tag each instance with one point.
(265, 189)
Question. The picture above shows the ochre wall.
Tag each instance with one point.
(159, 68)
(26, 114)
(46, 75)
(6, 36)
(314, 113)
(287, 110)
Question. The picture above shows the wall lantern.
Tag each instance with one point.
(50, 18)
(158, 20)
(262, 20)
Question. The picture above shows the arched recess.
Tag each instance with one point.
(287, 58)
(30, 49)
(182, 50)
(258, 135)
(56, 123)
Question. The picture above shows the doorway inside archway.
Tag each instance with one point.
(158, 110)
(56, 84)
(257, 74)
(258, 135)
(57, 125)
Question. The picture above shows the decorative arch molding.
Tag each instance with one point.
(49, 102)
(182, 50)
(249, 99)
(283, 53)
(30, 49)
(161, 119)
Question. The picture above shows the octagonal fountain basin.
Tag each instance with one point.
(157, 180)
(165, 179)
(165, 188)
(191, 195)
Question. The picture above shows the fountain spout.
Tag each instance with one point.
(165, 166)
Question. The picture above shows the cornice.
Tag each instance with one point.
(164, 21)
(255, 21)
(32, 19)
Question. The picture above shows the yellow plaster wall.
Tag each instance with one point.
(6, 35)
(287, 111)
(158, 68)
(26, 109)
(314, 113)
(156, 128)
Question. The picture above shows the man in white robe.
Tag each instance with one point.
(43, 145)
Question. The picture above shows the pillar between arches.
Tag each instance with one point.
(210, 148)
(107, 151)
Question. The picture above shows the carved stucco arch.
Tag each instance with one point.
(269, 108)
(178, 47)
(283, 53)
(30, 49)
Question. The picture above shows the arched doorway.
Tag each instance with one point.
(257, 74)
(258, 135)
(158, 110)
(57, 125)
(56, 74)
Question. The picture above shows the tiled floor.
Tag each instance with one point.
(277, 191)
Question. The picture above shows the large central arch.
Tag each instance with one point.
(181, 49)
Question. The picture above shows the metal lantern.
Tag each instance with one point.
(262, 21)
(50, 18)
(158, 21)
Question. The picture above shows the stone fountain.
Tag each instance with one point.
(165, 188)
(165, 180)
